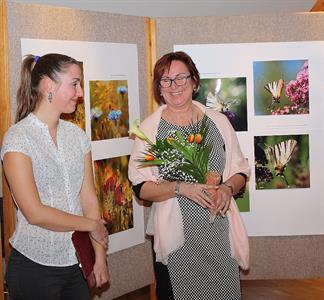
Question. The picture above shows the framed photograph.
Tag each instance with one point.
(110, 104)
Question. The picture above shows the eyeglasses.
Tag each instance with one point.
(179, 81)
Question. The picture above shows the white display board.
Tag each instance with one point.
(104, 63)
(281, 211)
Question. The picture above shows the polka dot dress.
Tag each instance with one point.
(203, 268)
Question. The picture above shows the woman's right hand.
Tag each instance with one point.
(100, 233)
(199, 193)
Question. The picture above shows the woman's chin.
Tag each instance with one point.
(69, 111)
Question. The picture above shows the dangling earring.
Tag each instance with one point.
(50, 97)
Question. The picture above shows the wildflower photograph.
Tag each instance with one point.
(281, 87)
(78, 116)
(228, 96)
(282, 161)
(114, 191)
(109, 109)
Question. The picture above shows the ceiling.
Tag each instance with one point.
(172, 8)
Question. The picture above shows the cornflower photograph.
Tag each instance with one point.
(109, 109)
(228, 96)
(281, 87)
(115, 193)
(282, 161)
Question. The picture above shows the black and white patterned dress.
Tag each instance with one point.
(203, 269)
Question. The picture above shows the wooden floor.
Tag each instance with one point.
(297, 289)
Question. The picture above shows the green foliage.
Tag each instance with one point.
(186, 155)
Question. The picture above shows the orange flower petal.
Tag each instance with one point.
(198, 138)
(149, 157)
(191, 138)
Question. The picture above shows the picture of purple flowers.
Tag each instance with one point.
(228, 96)
(282, 161)
(281, 87)
(109, 109)
(115, 193)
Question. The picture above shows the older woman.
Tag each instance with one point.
(195, 259)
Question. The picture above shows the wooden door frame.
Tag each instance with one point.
(9, 210)
(318, 6)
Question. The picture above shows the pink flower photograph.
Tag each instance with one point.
(281, 87)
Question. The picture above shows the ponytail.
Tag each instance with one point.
(26, 98)
(35, 68)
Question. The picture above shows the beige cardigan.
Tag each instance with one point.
(165, 220)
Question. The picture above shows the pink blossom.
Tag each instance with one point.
(298, 91)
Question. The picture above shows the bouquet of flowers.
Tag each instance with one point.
(179, 157)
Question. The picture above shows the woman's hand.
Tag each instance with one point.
(222, 199)
(199, 193)
(100, 270)
(100, 234)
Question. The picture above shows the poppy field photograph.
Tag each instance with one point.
(115, 193)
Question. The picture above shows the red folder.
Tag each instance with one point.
(86, 255)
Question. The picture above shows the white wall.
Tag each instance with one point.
(170, 8)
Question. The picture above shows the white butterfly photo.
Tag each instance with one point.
(282, 161)
(228, 96)
(280, 154)
(275, 89)
(281, 87)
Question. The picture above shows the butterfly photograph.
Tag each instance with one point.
(282, 161)
(228, 96)
(281, 87)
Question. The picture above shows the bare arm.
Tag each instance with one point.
(90, 207)
(226, 190)
(152, 191)
(235, 183)
(19, 173)
(165, 190)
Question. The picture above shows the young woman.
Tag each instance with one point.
(47, 162)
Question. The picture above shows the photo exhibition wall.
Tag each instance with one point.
(272, 94)
(109, 106)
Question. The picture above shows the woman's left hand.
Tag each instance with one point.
(100, 270)
(222, 199)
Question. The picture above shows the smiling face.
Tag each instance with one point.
(68, 90)
(177, 96)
